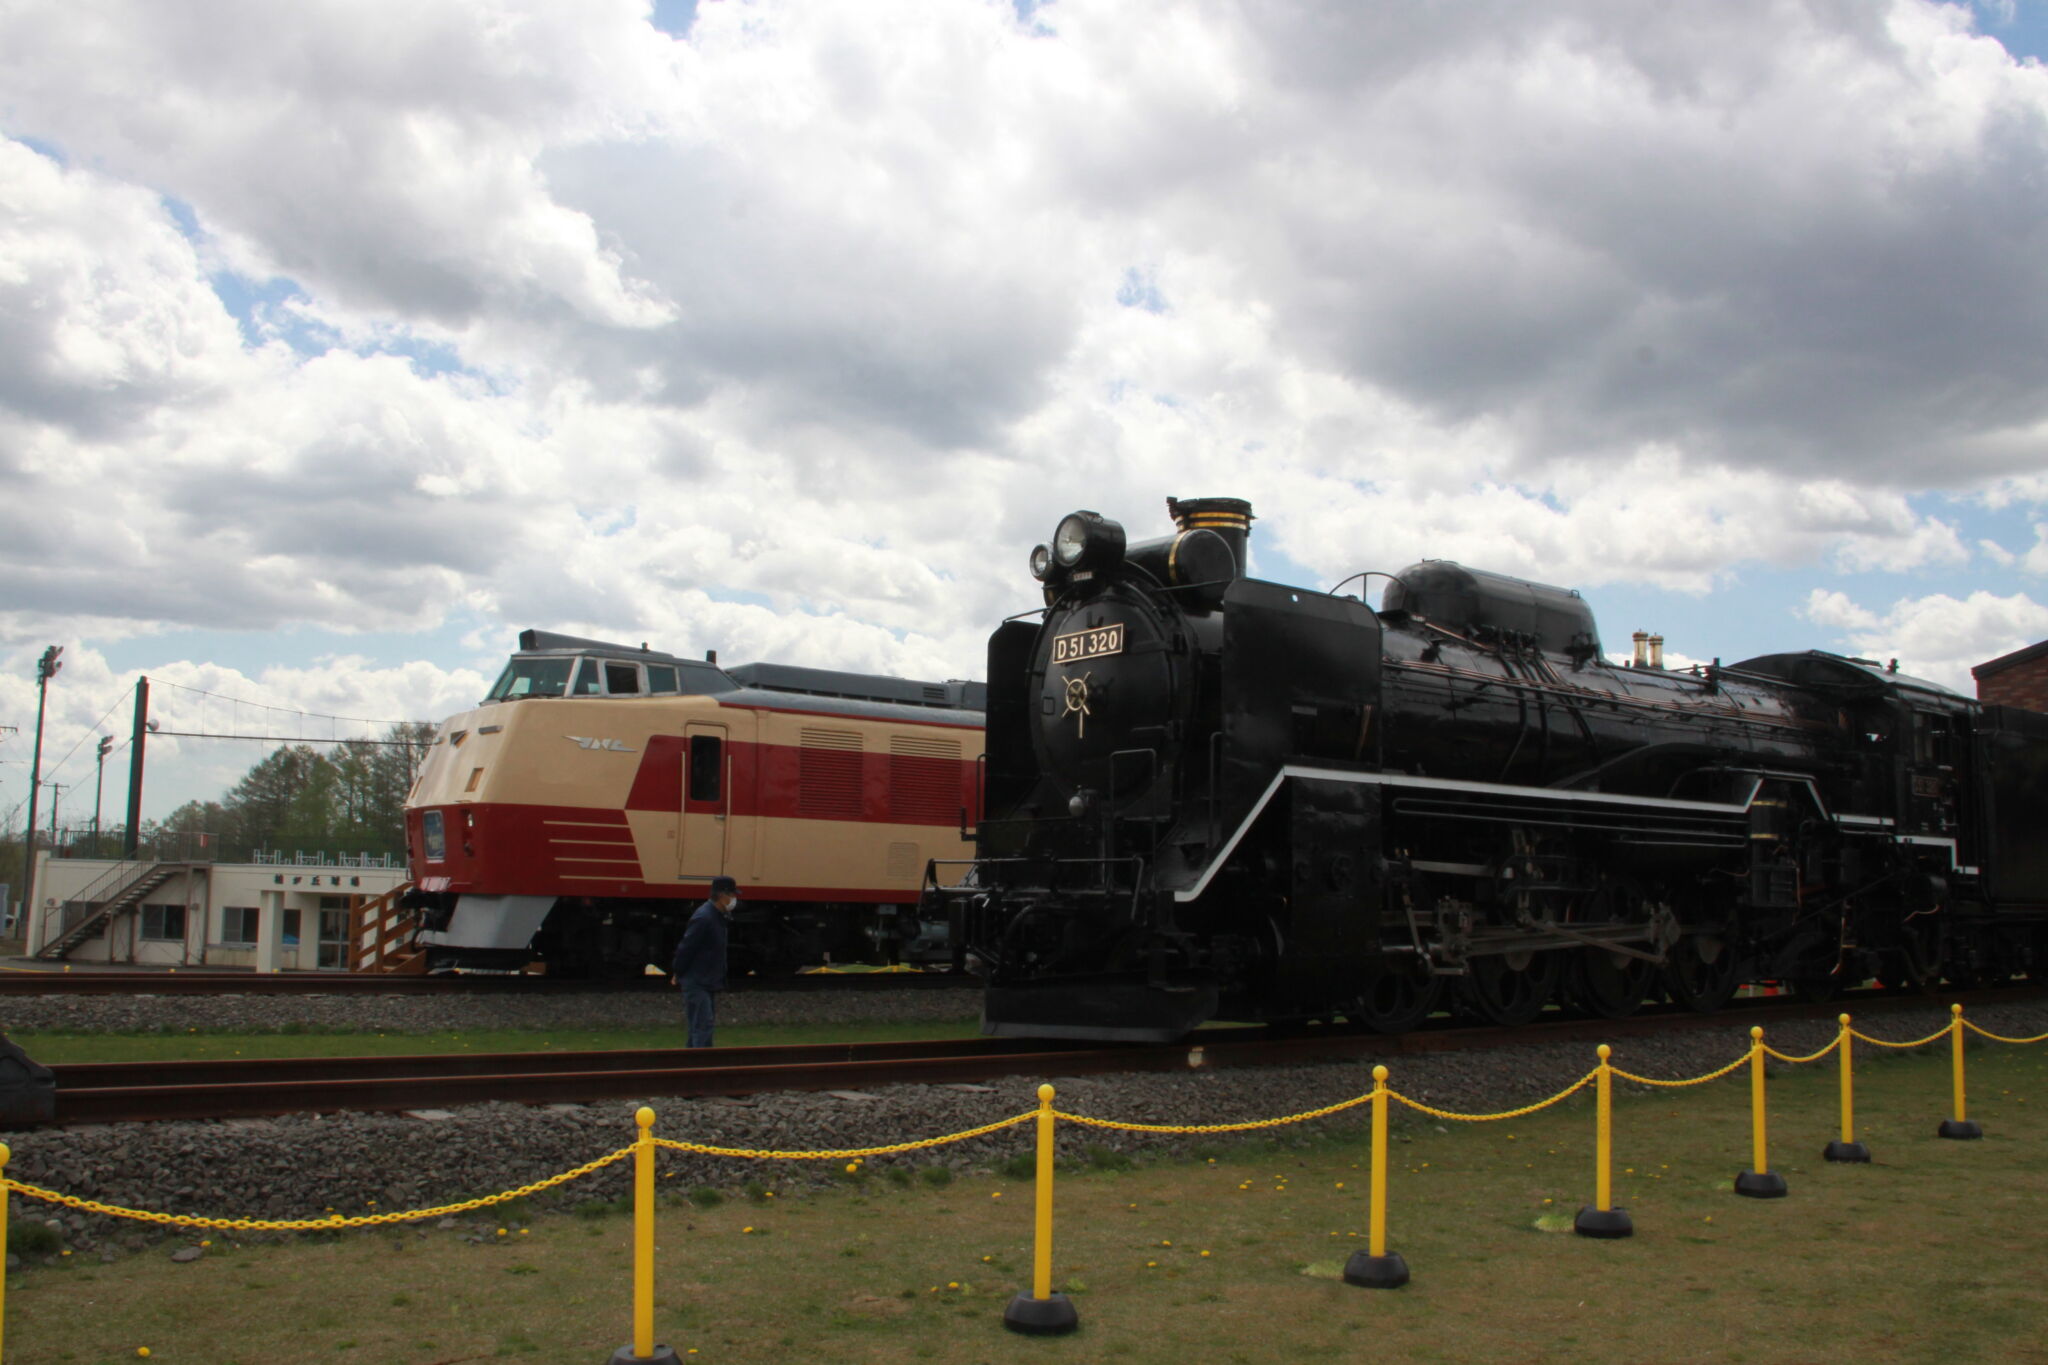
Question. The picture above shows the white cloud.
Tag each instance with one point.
(1938, 637)
(791, 338)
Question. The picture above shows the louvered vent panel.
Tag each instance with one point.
(830, 774)
(924, 780)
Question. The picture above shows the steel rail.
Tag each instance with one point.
(216, 1089)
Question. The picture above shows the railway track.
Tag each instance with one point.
(148, 1091)
(35, 981)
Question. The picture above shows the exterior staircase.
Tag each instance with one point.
(120, 889)
(380, 936)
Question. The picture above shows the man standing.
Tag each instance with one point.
(699, 966)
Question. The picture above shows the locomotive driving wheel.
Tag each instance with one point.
(1398, 999)
(1702, 974)
(1509, 989)
(1609, 984)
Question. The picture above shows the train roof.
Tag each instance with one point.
(1840, 673)
(850, 708)
(703, 677)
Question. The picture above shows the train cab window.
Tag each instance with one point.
(707, 763)
(622, 680)
(661, 678)
(589, 679)
(531, 678)
(1933, 739)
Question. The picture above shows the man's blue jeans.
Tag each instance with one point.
(700, 1008)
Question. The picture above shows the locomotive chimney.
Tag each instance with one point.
(1230, 518)
(1656, 651)
(1642, 659)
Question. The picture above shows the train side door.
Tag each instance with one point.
(707, 801)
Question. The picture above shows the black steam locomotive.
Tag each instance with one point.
(1212, 796)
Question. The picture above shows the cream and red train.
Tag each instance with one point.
(579, 813)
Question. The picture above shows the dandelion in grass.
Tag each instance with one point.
(1205, 1253)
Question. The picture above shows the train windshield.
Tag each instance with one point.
(531, 677)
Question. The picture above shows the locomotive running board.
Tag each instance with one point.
(1444, 784)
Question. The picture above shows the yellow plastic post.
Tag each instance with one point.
(1376, 1267)
(1603, 1219)
(4, 1154)
(1042, 1313)
(1376, 1243)
(1847, 1148)
(1961, 1126)
(1759, 1181)
(1603, 1191)
(643, 1347)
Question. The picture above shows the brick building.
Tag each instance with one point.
(2016, 679)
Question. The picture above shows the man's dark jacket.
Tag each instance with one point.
(700, 957)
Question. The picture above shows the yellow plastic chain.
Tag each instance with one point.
(329, 1223)
(1941, 1032)
(1574, 1088)
(1741, 1061)
(1245, 1127)
(841, 1154)
(1999, 1038)
(1770, 1051)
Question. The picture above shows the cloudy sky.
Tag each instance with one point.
(340, 340)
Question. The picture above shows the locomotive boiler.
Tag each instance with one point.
(1208, 796)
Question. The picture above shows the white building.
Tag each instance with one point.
(201, 914)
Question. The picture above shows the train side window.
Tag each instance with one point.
(661, 678)
(589, 679)
(622, 680)
(707, 762)
(1931, 736)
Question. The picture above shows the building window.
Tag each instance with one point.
(163, 923)
(238, 924)
(291, 928)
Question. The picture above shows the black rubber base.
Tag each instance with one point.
(1761, 1185)
(1051, 1317)
(1845, 1151)
(624, 1356)
(1593, 1222)
(1376, 1272)
(1961, 1128)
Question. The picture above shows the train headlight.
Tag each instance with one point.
(1041, 562)
(1087, 540)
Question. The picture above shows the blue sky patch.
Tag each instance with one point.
(1140, 290)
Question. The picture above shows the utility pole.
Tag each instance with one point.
(99, 782)
(136, 742)
(57, 790)
(46, 669)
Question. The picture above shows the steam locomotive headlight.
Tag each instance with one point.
(1041, 562)
(1087, 540)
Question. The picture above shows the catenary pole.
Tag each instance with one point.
(135, 746)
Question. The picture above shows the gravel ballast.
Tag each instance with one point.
(635, 1009)
(306, 1166)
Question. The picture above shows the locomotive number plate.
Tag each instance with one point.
(1088, 644)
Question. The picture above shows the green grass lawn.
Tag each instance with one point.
(55, 1049)
(1931, 1254)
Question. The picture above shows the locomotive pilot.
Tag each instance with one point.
(699, 966)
